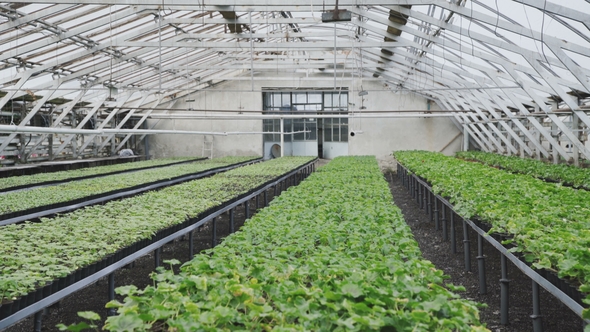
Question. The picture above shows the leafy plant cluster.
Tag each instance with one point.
(563, 173)
(550, 223)
(32, 254)
(332, 254)
(44, 196)
(17, 181)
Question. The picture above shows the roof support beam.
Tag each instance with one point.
(125, 119)
(26, 119)
(468, 100)
(29, 18)
(139, 123)
(58, 120)
(108, 119)
(81, 125)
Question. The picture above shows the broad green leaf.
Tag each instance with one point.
(352, 290)
(90, 315)
(125, 323)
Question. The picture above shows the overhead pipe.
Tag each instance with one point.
(294, 116)
(104, 132)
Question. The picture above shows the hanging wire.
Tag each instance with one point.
(461, 42)
(469, 30)
(543, 33)
(497, 18)
(111, 40)
(531, 28)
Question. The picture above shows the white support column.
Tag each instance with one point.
(282, 137)
(465, 138)
(472, 134)
(506, 139)
(575, 129)
(484, 130)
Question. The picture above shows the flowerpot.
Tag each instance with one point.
(62, 283)
(38, 294)
(16, 305)
(110, 259)
(77, 275)
(47, 289)
(5, 309)
(70, 279)
(27, 299)
(55, 286)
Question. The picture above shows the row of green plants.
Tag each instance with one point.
(549, 223)
(331, 254)
(32, 254)
(24, 180)
(563, 173)
(45, 196)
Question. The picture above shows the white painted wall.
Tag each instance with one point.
(380, 136)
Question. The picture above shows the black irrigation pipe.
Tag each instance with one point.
(161, 238)
(414, 184)
(45, 211)
(85, 177)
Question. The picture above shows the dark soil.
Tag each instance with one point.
(555, 315)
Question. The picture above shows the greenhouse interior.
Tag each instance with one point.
(262, 165)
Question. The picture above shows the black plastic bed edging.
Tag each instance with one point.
(66, 165)
(85, 177)
(52, 209)
(56, 290)
(565, 292)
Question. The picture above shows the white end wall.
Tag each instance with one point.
(220, 98)
(380, 137)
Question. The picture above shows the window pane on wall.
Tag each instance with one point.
(298, 126)
(276, 100)
(312, 127)
(328, 100)
(312, 107)
(344, 132)
(314, 98)
(336, 132)
(271, 126)
(327, 130)
(344, 101)
(300, 98)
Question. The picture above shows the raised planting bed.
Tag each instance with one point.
(63, 165)
(561, 173)
(24, 205)
(43, 262)
(332, 253)
(42, 179)
(546, 224)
